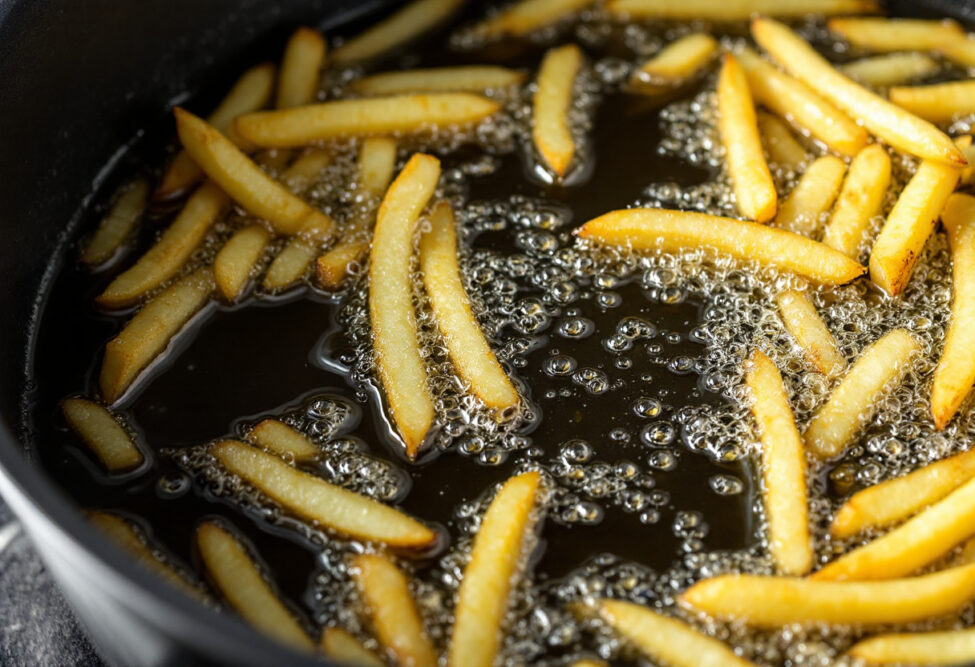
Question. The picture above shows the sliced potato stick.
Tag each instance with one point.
(755, 193)
(910, 223)
(892, 69)
(675, 64)
(469, 351)
(118, 224)
(780, 144)
(306, 169)
(860, 200)
(802, 321)
(884, 504)
(939, 102)
(813, 196)
(336, 265)
(670, 231)
(301, 63)
(398, 360)
(340, 646)
(377, 160)
(294, 261)
(106, 438)
(772, 602)
(852, 403)
(953, 647)
(897, 127)
(960, 51)
(243, 585)
(393, 614)
(281, 439)
(314, 499)
(551, 133)
(967, 148)
(234, 264)
(147, 334)
(529, 15)
(735, 10)
(488, 577)
(406, 24)
(473, 78)
(883, 34)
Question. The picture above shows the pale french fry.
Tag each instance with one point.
(397, 114)
(408, 23)
(734, 10)
(791, 100)
(960, 51)
(243, 180)
(469, 351)
(241, 582)
(529, 15)
(472, 78)
(772, 602)
(671, 231)
(812, 196)
(883, 34)
(392, 612)
(782, 147)
(281, 439)
(118, 224)
(377, 160)
(294, 261)
(398, 360)
(105, 437)
(755, 193)
(314, 499)
(953, 647)
(892, 69)
(939, 102)
(896, 499)
(675, 64)
(783, 469)
(304, 56)
(170, 252)
(495, 558)
(340, 646)
(910, 223)
(852, 403)
(897, 127)
(551, 133)
(967, 148)
(955, 373)
(861, 199)
(666, 639)
(802, 321)
(251, 92)
(336, 265)
(147, 334)
(306, 169)
(234, 264)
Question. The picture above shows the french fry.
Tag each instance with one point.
(472, 78)
(529, 15)
(812, 196)
(781, 146)
(783, 468)
(243, 180)
(666, 639)
(589, 662)
(336, 265)
(891, 69)
(340, 646)
(167, 256)
(967, 148)
(234, 264)
(551, 133)
(304, 56)
(398, 360)
(304, 170)
(789, 99)
(398, 114)
(118, 224)
(805, 325)
(239, 580)
(953, 647)
(734, 10)
(469, 351)
(959, 51)
(279, 438)
(147, 334)
(671, 231)
(772, 602)
(495, 558)
(105, 437)
(675, 64)
(392, 612)
(251, 92)
(314, 499)
(852, 403)
(889, 502)
(939, 102)
(910, 223)
(861, 199)
(406, 24)
(897, 127)
(754, 190)
(884, 35)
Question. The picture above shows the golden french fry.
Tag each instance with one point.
(303, 58)
(393, 614)
(939, 102)
(734, 10)
(812, 196)
(896, 499)
(953, 647)
(955, 373)
(234, 264)
(251, 92)
(408, 23)
(883, 34)
(780, 144)
(551, 133)
(910, 223)
(314, 499)
(754, 190)
(473, 78)
(293, 262)
(281, 439)
(306, 169)
(960, 51)
(967, 148)
(772, 602)
(340, 646)
(802, 321)
(398, 360)
(240, 581)
(674, 64)
(488, 577)
(377, 160)
(118, 224)
(147, 334)
(336, 265)
(852, 403)
(791, 100)
(469, 351)
(529, 15)
(891, 69)
(167, 256)
(106, 438)
(861, 198)
(671, 231)
(897, 127)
